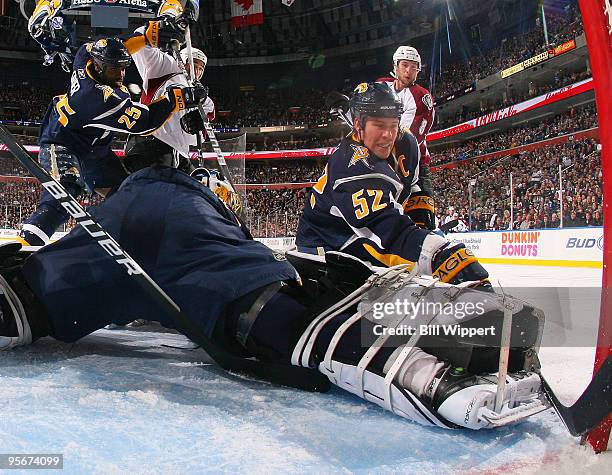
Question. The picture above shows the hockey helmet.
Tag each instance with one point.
(198, 54)
(143, 151)
(408, 53)
(375, 99)
(110, 52)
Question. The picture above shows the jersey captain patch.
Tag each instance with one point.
(360, 153)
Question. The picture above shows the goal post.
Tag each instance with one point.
(597, 20)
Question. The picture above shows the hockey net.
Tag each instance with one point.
(597, 20)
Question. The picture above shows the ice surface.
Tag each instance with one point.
(119, 402)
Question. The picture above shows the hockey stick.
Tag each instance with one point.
(337, 104)
(177, 55)
(284, 374)
(591, 408)
(209, 129)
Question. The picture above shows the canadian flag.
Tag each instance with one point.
(246, 12)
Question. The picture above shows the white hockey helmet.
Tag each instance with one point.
(406, 52)
(197, 54)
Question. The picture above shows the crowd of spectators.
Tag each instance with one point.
(535, 177)
(275, 213)
(284, 171)
(23, 102)
(561, 27)
(560, 80)
(18, 200)
(296, 144)
(573, 120)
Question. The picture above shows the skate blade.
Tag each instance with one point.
(515, 414)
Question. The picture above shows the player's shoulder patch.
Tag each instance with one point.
(361, 88)
(81, 73)
(360, 153)
(428, 100)
(107, 91)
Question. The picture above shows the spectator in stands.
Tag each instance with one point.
(597, 220)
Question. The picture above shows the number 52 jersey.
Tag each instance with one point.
(357, 206)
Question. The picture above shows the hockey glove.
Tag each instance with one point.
(420, 207)
(455, 263)
(192, 122)
(161, 33)
(195, 95)
(176, 97)
(182, 97)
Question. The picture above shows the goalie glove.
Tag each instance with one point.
(220, 187)
(420, 207)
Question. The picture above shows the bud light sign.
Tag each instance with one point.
(584, 243)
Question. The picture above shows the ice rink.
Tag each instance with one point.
(119, 402)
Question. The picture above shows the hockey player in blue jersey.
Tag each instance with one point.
(248, 299)
(79, 126)
(371, 203)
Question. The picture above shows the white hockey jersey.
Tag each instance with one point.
(159, 70)
(418, 115)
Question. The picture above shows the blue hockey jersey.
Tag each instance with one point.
(86, 117)
(357, 205)
(179, 232)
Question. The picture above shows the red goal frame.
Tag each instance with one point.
(597, 20)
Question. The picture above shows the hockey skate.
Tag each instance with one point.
(470, 400)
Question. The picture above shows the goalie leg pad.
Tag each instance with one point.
(401, 377)
(14, 327)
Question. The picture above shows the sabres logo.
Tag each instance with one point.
(107, 91)
(101, 43)
(361, 88)
(359, 153)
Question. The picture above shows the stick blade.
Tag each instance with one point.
(593, 406)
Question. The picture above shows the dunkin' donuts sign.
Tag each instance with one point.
(520, 243)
